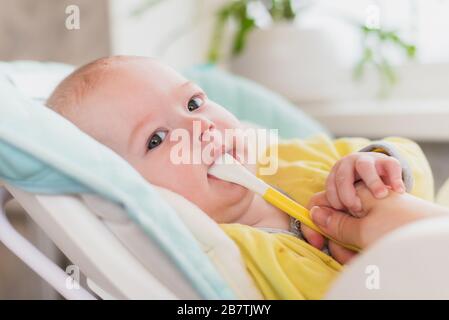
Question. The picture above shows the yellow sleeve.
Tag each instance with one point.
(418, 166)
(303, 165)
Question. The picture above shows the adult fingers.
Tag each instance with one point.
(338, 225)
(313, 237)
(318, 199)
(341, 254)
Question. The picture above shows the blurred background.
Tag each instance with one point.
(362, 68)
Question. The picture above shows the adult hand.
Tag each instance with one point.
(379, 217)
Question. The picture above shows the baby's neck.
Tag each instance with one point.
(262, 214)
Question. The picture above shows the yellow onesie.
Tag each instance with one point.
(286, 267)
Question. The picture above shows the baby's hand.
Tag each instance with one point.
(377, 170)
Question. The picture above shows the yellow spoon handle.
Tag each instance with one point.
(297, 211)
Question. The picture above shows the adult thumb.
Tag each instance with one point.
(338, 225)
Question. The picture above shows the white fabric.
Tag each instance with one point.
(223, 252)
(409, 263)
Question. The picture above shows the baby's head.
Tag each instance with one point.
(133, 105)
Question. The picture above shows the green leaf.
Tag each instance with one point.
(144, 6)
(411, 51)
(374, 55)
(217, 35)
(245, 26)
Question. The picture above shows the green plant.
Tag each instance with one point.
(144, 6)
(239, 11)
(374, 41)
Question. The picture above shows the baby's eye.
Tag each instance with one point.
(156, 139)
(195, 103)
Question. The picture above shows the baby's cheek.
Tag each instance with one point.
(158, 171)
(185, 180)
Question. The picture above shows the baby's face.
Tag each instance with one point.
(135, 110)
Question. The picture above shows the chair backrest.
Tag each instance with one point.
(90, 245)
(112, 251)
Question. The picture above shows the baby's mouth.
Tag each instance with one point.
(217, 157)
(209, 176)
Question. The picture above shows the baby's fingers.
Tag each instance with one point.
(344, 178)
(331, 191)
(318, 199)
(393, 170)
(367, 171)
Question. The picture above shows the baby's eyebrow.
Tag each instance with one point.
(187, 84)
(140, 125)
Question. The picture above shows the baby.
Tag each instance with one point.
(134, 104)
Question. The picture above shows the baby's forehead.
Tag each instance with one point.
(132, 91)
(147, 77)
(136, 90)
(130, 80)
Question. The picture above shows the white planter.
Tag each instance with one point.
(301, 64)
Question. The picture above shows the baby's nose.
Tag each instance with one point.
(207, 129)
